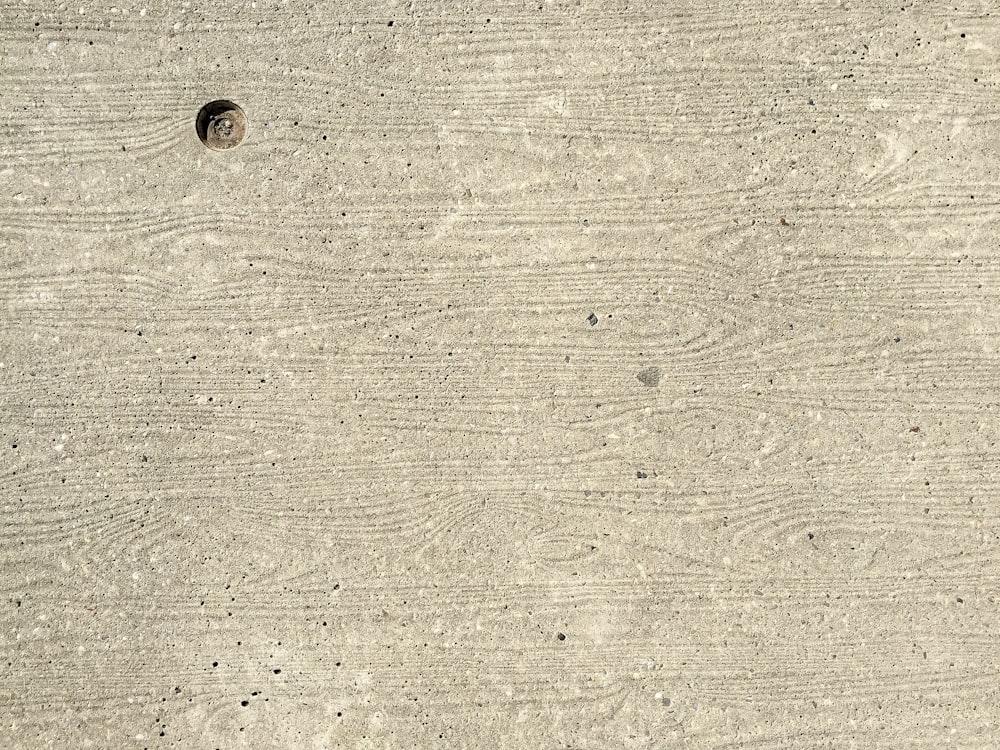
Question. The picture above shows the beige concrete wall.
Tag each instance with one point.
(535, 375)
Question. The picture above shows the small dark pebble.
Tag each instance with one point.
(561, 636)
(592, 319)
(244, 703)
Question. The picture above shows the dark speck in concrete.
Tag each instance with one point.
(650, 377)
(592, 319)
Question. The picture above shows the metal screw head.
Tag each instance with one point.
(222, 124)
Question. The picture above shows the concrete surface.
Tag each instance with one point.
(554, 374)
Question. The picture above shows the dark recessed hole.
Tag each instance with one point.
(221, 125)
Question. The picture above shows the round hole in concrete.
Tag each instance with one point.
(222, 124)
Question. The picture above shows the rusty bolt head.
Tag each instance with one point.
(221, 124)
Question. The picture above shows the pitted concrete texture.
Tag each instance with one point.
(534, 375)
